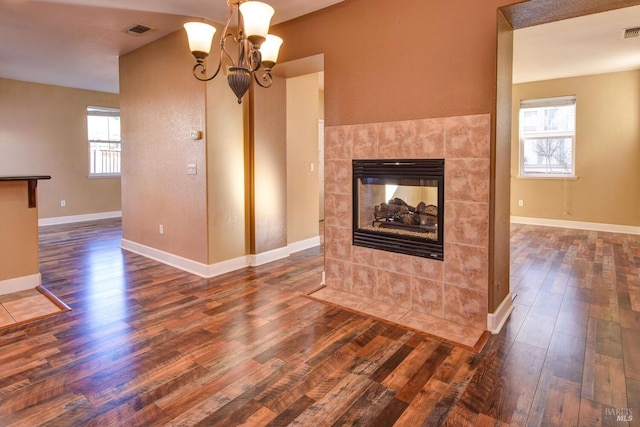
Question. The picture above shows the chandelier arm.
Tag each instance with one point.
(267, 79)
(201, 70)
(254, 60)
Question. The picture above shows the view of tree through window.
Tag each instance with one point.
(547, 136)
(103, 125)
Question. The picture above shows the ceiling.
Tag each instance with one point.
(76, 43)
(591, 44)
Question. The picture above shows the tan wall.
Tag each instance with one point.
(411, 60)
(160, 103)
(269, 159)
(225, 170)
(607, 153)
(499, 219)
(18, 232)
(43, 130)
(303, 112)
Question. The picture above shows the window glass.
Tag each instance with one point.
(547, 137)
(103, 127)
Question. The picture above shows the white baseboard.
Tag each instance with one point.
(495, 321)
(18, 284)
(592, 226)
(303, 245)
(213, 270)
(176, 261)
(42, 222)
(267, 257)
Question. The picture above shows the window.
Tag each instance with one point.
(103, 125)
(548, 137)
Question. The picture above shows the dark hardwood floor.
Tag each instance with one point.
(147, 344)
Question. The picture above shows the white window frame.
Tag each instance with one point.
(566, 134)
(109, 142)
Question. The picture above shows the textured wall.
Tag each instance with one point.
(607, 153)
(303, 112)
(160, 102)
(18, 232)
(43, 131)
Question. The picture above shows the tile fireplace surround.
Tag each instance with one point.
(449, 298)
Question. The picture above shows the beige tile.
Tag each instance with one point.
(5, 317)
(338, 141)
(328, 294)
(427, 296)
(338, 274)
(364, 256)
(355, 302)
(467, 223)
(391, 261)
(19, 295)
(365, 280)
(467, 180)
(394, 288)
(429, 139)
(419, 321)
(395, 140)
(465, 306)
(337, 176)
(466, 266)
(337, 242)
(337, 209)
(385, 311)
(458, 333)
(365, 141)
(427, 268)
(467, 136)
(30, 307)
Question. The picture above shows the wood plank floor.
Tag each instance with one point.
(147, 344)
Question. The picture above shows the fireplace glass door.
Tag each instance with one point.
(398, 206)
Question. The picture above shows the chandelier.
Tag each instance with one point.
(257, 51)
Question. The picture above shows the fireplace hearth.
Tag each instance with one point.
(399, 206)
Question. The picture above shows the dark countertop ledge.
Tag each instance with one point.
(24, 177)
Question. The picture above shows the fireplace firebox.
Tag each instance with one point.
(398, 206)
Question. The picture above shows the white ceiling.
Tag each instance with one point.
(591, 44)
(76, 43)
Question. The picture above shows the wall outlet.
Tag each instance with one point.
(312, 167)
(63, 203)
(521, 203)
(161, 229)
(192, 169)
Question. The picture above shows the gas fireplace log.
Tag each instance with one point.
(400, 212)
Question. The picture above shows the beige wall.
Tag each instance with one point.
(607, 153)
(403, 61)
(160, 103)
(499, 220)
(43, 130)
(269, 167)
(303, 112)
(18, 232)
(225, 168)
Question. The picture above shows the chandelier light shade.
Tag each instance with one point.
(257, 50)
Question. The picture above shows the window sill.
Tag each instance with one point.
(101, 176)
(556, 177)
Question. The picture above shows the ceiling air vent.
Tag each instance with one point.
(631, 32)
(138, 30)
